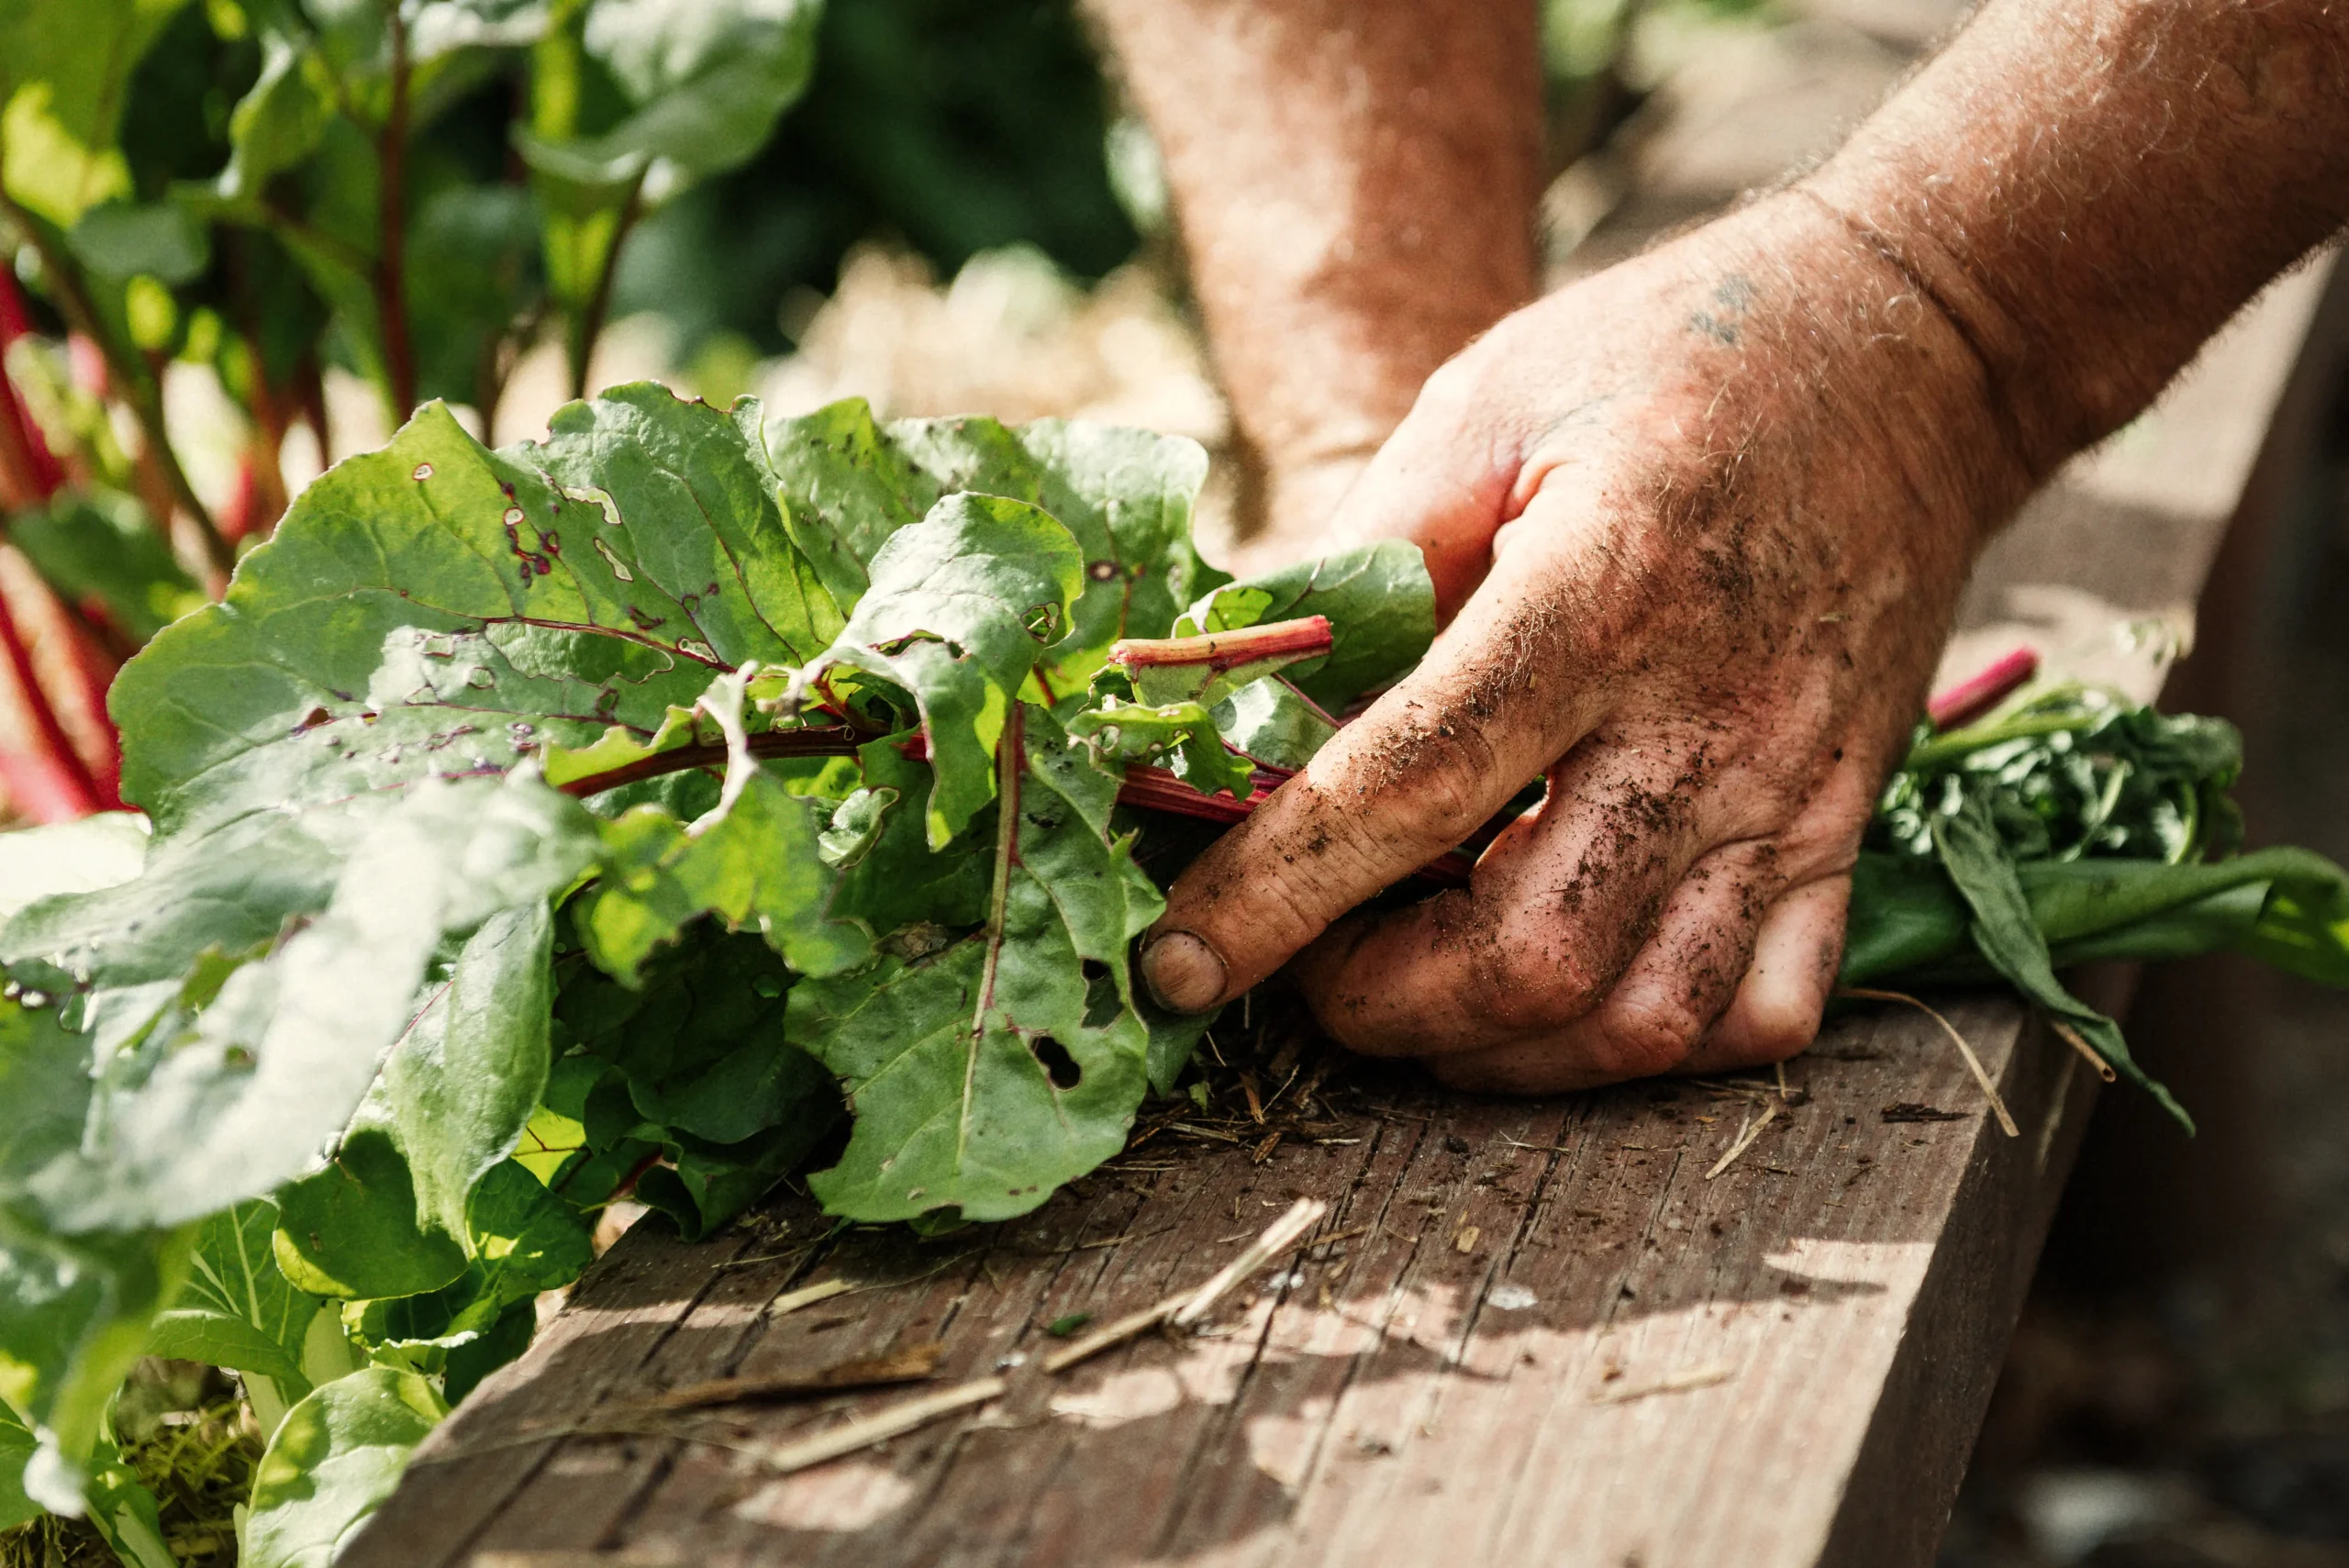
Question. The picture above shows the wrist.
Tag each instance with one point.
(1876, 372)
(2085, 193)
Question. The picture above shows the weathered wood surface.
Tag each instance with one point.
(1530, 1331)
(1483, 1369)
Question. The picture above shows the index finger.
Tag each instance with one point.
(1426, 766)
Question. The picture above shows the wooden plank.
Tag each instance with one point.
(1394, 1394)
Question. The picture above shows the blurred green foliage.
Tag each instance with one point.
(950, 126)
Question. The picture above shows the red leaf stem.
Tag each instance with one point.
(830, 740)
(1155, 789)
(69, 788)
(1226, 650)
(42, 473)
(1971, 698)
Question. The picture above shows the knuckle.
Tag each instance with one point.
(1395, 797)
(1451, 394)
(1530, 986)
(1440, 771)
(1247, 897)
(1639, 1036)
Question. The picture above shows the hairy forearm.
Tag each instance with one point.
(2083, 192)
(1355, 183)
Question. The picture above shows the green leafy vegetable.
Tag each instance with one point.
(960, 609)
(2074, 826)
(601, 817)
(335, 1458)
(16, 1447)
(986, 1075)
(1372, 596)
(237, 1310)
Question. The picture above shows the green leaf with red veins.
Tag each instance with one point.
(760, 865)
(1180, 735)
(1273, 723)
(984, 1075)
(962, 608)
(757, 858)
(439, 608)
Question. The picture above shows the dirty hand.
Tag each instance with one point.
(1697, 524)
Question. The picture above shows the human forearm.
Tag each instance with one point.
(2084, 193)
(1355, 183)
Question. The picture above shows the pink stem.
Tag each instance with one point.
(1226, 650)
(1971, 698)
(46, 476)
(76, 790)
(1155, 789)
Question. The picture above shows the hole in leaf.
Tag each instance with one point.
(1040, 620)
(1102, 1002)
(1058, 1064)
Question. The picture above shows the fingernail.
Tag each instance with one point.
(1182, 972)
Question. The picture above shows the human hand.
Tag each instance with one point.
(1698, 525)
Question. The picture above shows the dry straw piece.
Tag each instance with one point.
(1182, 1310)
(1974, 1062)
